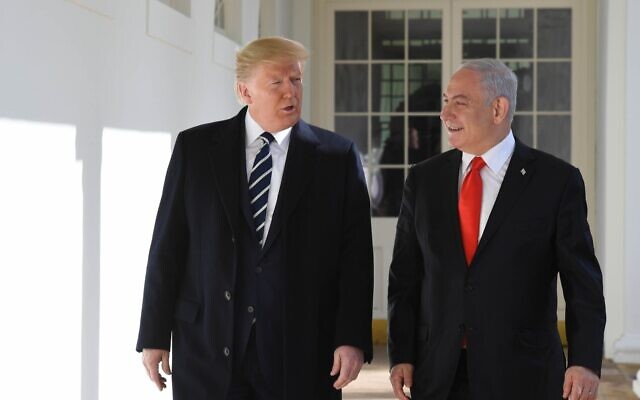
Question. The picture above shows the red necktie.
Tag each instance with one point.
(469, 208)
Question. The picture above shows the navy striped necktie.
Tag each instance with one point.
(259, 183)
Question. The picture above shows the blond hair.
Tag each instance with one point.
(274, 49)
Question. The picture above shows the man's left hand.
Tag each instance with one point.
(347, 360)
(580, 384)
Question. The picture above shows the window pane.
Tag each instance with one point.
(554, 33)
(425, 92)
(387, 86)
(182, 6)
(524, 72)
(425, 34)
(387, 140)
(554, 86)
(354, 128)
(554, 135)
(351, 35)
(516, 33)
(522, 127)
(424, 138)
(479, 33)
(351, 88)
(387, 32)
(386, 199)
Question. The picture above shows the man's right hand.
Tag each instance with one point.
(401, 375)
(150, 359)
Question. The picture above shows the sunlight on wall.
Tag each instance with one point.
(40, 260)
(133, 169)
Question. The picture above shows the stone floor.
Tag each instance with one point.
(373, 382)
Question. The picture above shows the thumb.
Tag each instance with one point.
(165, 363)
(336, 364)
(408, 378)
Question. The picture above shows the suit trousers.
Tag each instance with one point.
(248, 381)
(460, 388)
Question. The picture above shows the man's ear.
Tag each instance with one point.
(244, 92)
(500, 109)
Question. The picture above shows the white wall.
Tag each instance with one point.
(69, 70)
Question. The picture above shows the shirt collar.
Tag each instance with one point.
(253, 130)
(496, 156)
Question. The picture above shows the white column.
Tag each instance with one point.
(627, 347)
(610, 164)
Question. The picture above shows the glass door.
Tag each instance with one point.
(380, 67)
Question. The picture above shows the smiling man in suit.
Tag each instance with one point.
(483, 232)
(260, 272)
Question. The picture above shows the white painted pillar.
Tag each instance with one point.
(627, 347)
(610, 164)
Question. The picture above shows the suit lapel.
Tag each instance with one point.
(297, 172)
(512, 186)
(227, 149)
(450, 178)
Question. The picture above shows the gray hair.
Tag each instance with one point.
(497, 79)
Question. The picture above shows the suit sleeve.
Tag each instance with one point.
(353, 319)
(166, 258)
(581, 278)
(405, 276)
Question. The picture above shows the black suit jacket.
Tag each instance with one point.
(506, 300)
(322, 223)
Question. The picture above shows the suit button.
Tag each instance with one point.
(468, 288)
(233, 239)
(258, 270)
(250, 309)
(227, 295)
(226, 351)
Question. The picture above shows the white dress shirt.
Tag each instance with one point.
(497, 161)
(278, 149)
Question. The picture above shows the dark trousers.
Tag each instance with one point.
(248, 381)
(460, 388)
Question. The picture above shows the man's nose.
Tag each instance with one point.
(444, 113)
(288, 88)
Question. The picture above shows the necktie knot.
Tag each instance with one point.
(477, 164)
(266, 138)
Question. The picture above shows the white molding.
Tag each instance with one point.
(103, 8)
(250, 20)
(170, 26)
(224, 51)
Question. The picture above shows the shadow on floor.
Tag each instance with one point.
(373, 382)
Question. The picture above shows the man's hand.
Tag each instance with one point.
(150, 359)
(347, 360)
(401, 375)
(580, 384)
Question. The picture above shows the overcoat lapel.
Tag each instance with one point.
(516, 178)
(226, 151)
(298, 170)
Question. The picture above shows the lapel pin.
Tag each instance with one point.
(523, 171)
